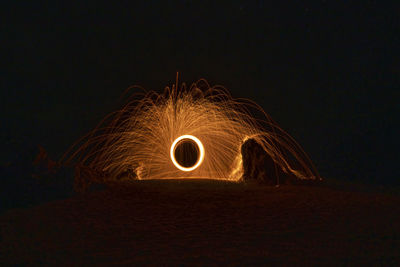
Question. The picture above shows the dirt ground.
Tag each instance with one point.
(206, 223)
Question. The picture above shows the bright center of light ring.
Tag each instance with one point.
(199, 145)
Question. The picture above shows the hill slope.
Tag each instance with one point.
(206, 223)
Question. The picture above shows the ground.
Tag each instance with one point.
(207, 223)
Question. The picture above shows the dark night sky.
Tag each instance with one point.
(328, 73)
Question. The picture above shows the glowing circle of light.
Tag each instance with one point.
(199, 145)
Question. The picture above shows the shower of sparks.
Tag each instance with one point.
(141, 137)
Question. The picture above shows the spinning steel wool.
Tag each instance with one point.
(186, 132)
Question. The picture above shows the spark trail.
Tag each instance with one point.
(140, 137)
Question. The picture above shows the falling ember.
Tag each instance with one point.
(186, 132)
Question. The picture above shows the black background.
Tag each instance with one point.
(328, 73)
